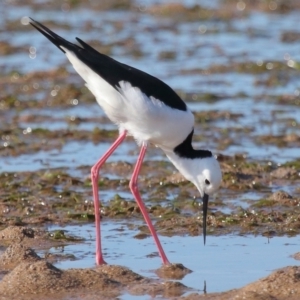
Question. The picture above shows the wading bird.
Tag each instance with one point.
(146, 108)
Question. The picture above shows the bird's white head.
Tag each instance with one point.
(204, 172)
(206, 175)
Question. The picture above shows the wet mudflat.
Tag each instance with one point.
(236, 64)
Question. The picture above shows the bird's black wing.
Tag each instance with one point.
(113, 71)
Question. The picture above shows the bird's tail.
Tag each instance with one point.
(57, 40)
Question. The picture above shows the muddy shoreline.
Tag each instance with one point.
(25, 272)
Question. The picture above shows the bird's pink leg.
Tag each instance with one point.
(95, 176)
(134, 189)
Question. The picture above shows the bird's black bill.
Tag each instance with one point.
(205, 205)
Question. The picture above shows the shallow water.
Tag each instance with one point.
(71, 155)
(225, 262)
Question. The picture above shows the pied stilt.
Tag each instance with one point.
(147, 109)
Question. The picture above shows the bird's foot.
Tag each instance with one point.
(100, 261)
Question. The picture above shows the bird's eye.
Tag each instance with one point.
(207, 182)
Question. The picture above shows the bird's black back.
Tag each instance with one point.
(113, 71)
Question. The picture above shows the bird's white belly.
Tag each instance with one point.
(160, 130)
(150, 120)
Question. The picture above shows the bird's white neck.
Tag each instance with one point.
(185, 166)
